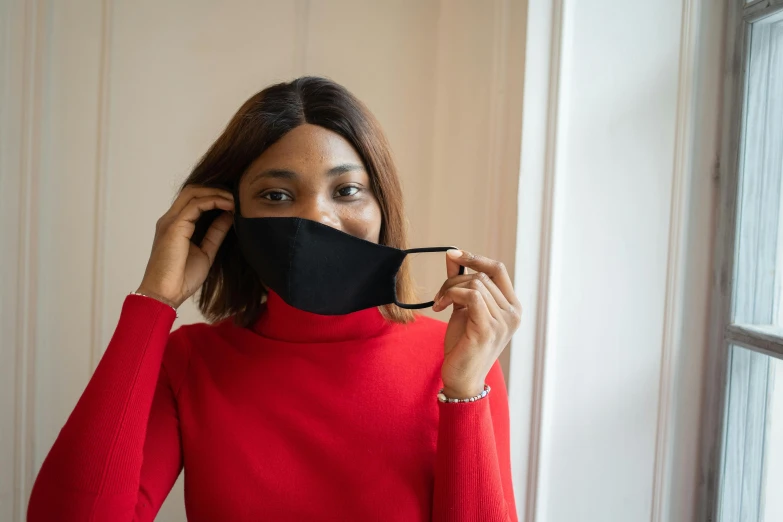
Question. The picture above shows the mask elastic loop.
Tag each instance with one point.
(235, 193)
(428, 304)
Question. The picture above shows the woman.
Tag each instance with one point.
(274, 411)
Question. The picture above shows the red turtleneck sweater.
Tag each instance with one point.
(301, 417)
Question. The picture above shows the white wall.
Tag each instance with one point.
(620, 133)
(106, 105)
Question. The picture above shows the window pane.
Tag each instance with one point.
(752, 452)
(758, 271)
(773, 455)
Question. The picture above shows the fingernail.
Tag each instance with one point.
(453, 252)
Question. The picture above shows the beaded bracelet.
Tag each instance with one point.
(443, 398)
(158, 300)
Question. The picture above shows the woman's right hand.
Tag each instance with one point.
(177, 268)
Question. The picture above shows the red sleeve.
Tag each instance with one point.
(118, 454)
(473, 462)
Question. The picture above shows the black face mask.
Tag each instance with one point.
(319, 269)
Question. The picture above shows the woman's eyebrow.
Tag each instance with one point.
(343, 168)
(291, 175)
(274, 174)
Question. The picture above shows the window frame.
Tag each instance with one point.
(723, 334)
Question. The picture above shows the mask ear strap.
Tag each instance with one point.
(235, 192)
(428, 304)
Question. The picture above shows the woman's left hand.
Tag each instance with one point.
(486, 314)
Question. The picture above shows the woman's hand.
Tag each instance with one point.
(486, 314)
(177, 267)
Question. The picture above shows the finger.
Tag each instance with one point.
(494, 292)
(186, 220)
(491, 286)
(476, 307)
(494, 269)
(452, 281)
(215, 235)
(511, 314)
(478, 282)
(452, 267)
(196, 191)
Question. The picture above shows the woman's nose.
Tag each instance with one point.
(321, 214)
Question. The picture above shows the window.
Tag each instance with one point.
(749, 463)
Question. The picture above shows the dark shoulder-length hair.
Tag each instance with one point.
(231, 288)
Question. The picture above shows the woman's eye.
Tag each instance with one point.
(275, 196)
(343, 190)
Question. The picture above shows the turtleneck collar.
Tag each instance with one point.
(282, 322)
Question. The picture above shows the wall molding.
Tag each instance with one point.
(101, 189)
(493, 101)
(27, 56)
(504, 131)
(497, 126)
(545, 263)
(677, 258)
(536, 197)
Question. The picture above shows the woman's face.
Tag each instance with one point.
(316, 174)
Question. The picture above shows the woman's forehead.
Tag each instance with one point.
(307, 147)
